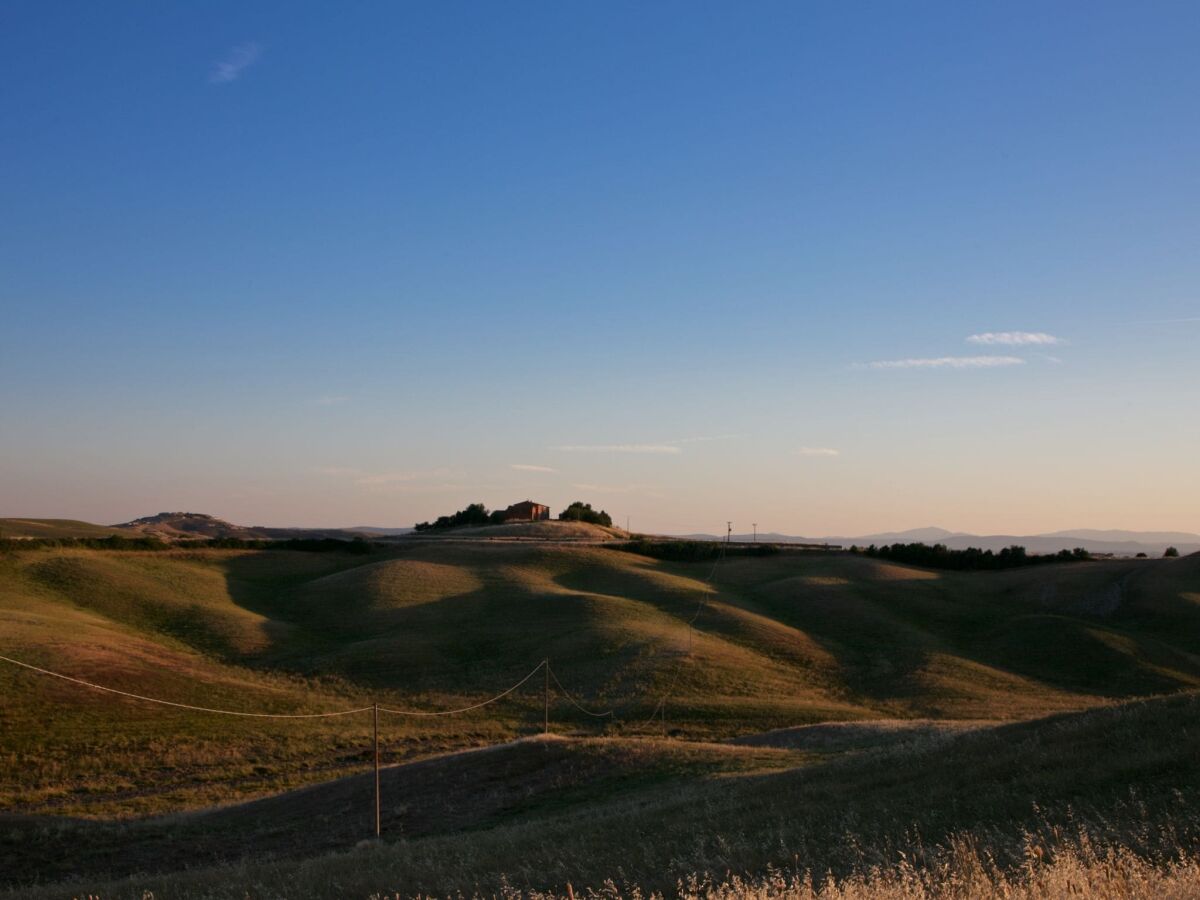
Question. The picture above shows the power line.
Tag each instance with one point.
(567, 694)
(261, 715)
(454, 712)
(207, 709)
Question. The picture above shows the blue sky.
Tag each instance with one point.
(352, 264)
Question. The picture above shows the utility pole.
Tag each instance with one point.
(755, 526)
(546, 718)
(377, 817)
(728, 531)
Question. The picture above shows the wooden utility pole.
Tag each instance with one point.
(377, 816)
(546, 718)
(755, 527)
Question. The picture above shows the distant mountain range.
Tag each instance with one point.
(1116, 542)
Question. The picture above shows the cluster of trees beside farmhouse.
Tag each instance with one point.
(939, 556)
(478, 514)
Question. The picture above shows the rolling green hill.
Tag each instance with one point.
(780, 642)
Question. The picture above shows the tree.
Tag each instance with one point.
(583, 512)
(1171, 551)
(474, 514)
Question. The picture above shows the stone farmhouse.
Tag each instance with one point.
(527, 511)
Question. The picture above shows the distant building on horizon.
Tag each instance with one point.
(527, 511)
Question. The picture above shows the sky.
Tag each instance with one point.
(826, 268)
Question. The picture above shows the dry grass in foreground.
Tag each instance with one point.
(1082, 871)
(961, 871)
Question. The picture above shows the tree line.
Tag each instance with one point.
(939, 556)
(693, 551)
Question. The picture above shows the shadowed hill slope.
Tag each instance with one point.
(466, 791)
(620, 809)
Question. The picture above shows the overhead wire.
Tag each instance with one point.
(454, 712)
(189, 706)
(574, 702)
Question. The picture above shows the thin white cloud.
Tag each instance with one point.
(402, 477)
(339, 471)
(235, 62)
(706, 438)
(1014, 339)
(526, 467)
(818, 451)
(618, 448)
(434, 488)
(329, 399)
(948, 362)
(382, 479)
(647, 490)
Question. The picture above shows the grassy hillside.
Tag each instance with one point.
(782, 641)
(548, 530)
(54, 528)
(960, 809)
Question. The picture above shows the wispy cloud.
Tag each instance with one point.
(1182, 321)
(338, 471)
(329, 399)
(818, 451)
(665, 448)
(402, 477)
(432, 487)
(526, 467)
(1014, 339)
(618, 448)
(234, 63)
(647, 490)
(704, 439)
(390, 479)
(948, 362)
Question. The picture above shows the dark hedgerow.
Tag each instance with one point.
(693, 551)
(939, 556)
